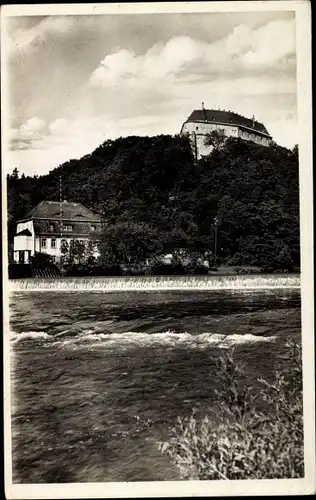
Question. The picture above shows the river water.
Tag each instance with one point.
(98, 379)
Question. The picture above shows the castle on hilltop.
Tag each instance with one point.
(203, 121)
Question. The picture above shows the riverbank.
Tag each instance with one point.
(50, 270)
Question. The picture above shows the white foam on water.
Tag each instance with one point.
(236, 339)
(29, 336)
(63, 333)
(167, 339)
(159, 283)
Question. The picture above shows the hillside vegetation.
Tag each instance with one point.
(155, 199)
(238, 440)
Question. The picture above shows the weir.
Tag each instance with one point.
(156, 283)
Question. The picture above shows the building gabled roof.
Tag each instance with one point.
(25, 232)
(228, 117)
(70, 211)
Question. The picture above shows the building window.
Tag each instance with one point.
(93, 228)
(68, 228)
(53, 243)
(51, 226)
(53, 258)
(43, 243)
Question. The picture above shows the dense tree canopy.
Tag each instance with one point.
(155, 199)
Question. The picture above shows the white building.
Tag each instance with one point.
(49, 224)
(202, 122)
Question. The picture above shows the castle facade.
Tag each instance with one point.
(203, 121)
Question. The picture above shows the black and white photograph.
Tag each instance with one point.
(157, 239)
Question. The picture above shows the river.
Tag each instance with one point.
(98, 379)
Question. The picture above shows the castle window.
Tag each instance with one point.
(196, 128)
(53, 243)
(68, 228)
(43, 243)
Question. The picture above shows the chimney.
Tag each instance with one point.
(253, 121)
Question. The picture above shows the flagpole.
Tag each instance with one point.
(61, 219)
(215, 240)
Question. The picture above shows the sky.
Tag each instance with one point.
(75, 82)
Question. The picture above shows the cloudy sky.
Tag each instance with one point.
(77, 81)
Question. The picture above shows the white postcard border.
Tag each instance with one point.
(189, 488)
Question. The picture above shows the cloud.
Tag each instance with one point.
(285, 132)
(66, 139)
(146, 83)
(271, 43)
(239, 40)
(250, 71)
(263, 48)
(28, 134)
(23, 40)
(85, 134)
(33, 125)
(161, 61)
(59, 127)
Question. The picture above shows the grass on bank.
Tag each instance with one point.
(238, 441)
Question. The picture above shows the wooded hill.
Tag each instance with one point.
(155, 199)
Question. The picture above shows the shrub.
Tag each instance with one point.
(167, 269)
(239, 441)
(76, 270)
(40, 259)
(200, 270)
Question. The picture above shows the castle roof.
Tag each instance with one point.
(70, 211)
(226, 117)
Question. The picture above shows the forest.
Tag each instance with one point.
(238, 206)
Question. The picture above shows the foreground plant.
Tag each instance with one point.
(239, 441)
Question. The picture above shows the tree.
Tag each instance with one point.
(128, 243)
(216, 139)
(15, 174)
(155, 199)
(64, 251)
